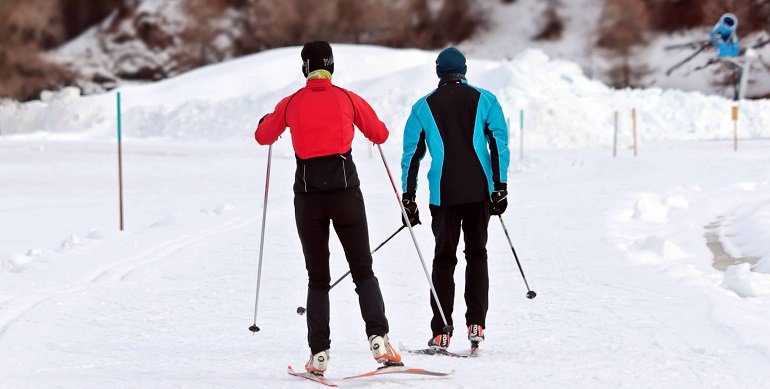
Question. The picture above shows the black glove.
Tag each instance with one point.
(411, 209)
(498, 201)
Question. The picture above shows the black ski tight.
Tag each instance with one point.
(346, 212)
(473, 219)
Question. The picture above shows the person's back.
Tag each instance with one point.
(326, 186)
(320, 117)
(454, 107)
(465, 131)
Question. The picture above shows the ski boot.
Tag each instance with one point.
(383, 352)
(317, 363)
(440, 342)
(475, 335)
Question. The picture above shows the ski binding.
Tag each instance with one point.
(312, 377)
(474, 352)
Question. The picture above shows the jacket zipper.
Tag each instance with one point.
(303, 176)
(344, 172)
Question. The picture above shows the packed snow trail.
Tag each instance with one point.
(174, 309)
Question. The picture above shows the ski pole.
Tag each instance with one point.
(301, 309)
(447, 328)
(530, 294)
(253, 327)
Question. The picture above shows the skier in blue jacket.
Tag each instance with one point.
(464, 129)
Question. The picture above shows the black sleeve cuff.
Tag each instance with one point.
(501, 186)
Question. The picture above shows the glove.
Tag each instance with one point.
(498, 201)
(411, 209)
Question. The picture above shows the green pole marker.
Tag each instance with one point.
(119, 134)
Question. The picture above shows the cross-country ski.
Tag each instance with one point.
(471, 353)
(400, 370)
(312, 377)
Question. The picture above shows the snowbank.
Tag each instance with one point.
(561, 107)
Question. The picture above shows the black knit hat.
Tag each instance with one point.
(450, 61)
(317, 55)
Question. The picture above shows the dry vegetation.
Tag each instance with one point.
(553, 25)
(29, 28)
(217, 30)
(626, 25)
(265, 24)
(25, 31)
(220, 29)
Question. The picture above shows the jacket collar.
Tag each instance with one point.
(319, 82)
(452, 78)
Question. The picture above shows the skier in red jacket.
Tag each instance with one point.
(326, 188)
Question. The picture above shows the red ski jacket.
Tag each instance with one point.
(321, 117)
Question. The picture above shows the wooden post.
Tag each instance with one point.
(521, 138)
(735, 128)
(120, 168)
(615, 137)
(633, 119)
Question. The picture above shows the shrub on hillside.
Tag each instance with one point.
(675, 15)
(623, 27)
(678, 15)
(25, 31)
(553, 26)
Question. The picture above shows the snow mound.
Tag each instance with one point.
(746, 232)
(13, 262)
(741, 280)
(651, 208)
(70, 242)
(663, 248)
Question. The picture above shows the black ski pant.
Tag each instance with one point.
(345, 210)
(473, 219)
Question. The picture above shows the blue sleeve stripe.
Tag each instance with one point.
(414, 149)
(421, 134)
(436, 146)
(493, 129)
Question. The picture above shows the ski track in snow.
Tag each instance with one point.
(617, 304)
(13, 309)
(119, 272)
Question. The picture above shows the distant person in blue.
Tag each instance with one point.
(464, 129)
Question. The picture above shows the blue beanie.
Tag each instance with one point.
(450, 61)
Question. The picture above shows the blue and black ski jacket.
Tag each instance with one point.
(464, 129)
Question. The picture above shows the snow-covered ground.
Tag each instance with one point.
(614, 246)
